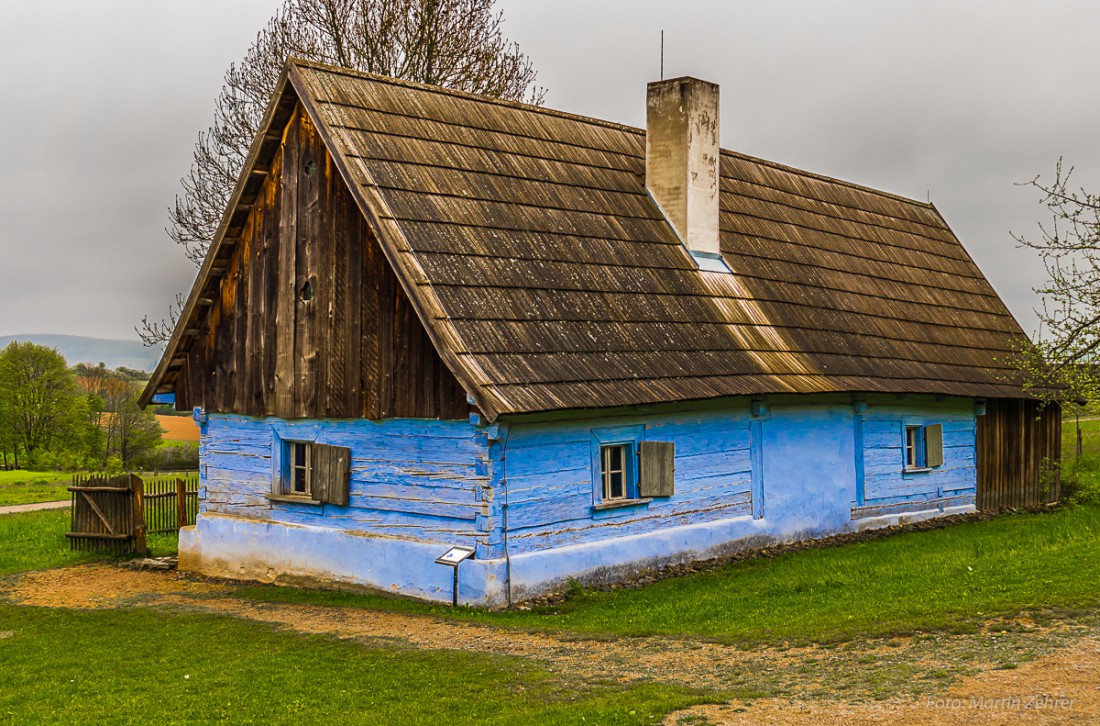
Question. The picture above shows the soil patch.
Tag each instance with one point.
(1062, 687)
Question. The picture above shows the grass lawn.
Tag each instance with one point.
(168, 667)
(951, 579)
(36, 541)
(1081, 477)
(27, 487)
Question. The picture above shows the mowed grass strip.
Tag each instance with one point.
(156, 666)
(948, 579)
(28, 487)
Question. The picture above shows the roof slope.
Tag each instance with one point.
(549, 279)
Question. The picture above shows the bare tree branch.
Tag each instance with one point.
(1063, 357)
(455, 43)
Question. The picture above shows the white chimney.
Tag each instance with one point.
(681, 162)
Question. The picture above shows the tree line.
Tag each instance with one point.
(84, 417)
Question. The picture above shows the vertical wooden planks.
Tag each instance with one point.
(1019, 448)
(350, 230)
(287, 295)
(357, 348)
(309, 314)
(656, 468)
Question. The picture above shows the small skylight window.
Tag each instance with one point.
(707, 262)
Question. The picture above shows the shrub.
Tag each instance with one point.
(1081, 480)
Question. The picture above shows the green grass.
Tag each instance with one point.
(1081, 477)
(948, 579)
(37, 541)
(148, 666)
(27, 487)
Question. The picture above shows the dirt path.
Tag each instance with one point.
(37, 506)
(933, 679)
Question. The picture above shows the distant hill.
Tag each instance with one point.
(78, 349)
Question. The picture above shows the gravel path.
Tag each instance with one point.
(17, 508)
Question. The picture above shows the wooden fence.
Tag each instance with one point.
(114, 514)
(106, 515)
(171, 503)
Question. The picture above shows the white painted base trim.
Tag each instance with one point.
(241, 548)
(891, 520)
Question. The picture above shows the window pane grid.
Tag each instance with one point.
(614, 472)
(913, 453)
(300, 465)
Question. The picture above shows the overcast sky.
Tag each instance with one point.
(956, 100)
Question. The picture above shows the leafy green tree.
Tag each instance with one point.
(131, 431)
(39, 397)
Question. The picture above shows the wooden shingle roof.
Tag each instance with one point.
(548, 279)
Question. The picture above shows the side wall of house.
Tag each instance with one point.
(309, 320)
(526, 494)
(887, 488)
(417, 487)
(801, 468)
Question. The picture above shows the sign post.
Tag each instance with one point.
(453, 558)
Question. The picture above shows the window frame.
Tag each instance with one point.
(608, 472)
(919, 427)
(288, 487)
(327, 468)
(627, 437)
(914, 449)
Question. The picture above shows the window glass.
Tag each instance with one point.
(614, 471)
(914, 447)
(299, 467)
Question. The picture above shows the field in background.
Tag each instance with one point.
(179, 428)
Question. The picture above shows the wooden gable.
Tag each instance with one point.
(309, 320)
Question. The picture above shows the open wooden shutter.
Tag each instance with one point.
(656, 468)
(933, 445)
(329, 476)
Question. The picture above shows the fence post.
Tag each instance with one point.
(181, 503)
(137, 486)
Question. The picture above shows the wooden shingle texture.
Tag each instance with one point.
(548, 279)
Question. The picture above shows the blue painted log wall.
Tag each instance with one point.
(887, 488)
(552, 485)
(410, 478)
(527, 487)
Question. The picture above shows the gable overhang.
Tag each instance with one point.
(290, 92)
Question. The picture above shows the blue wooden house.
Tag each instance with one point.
(582, 350)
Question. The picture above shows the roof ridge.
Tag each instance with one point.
(827, 178)
(585, 119)
(519, 105)
(443, 90)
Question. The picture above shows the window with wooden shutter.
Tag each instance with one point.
(656, 468)
(933, 445)
(330, 473)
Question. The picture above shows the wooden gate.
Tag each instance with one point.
(1019, 453)
(170, 503)
(107, 515)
